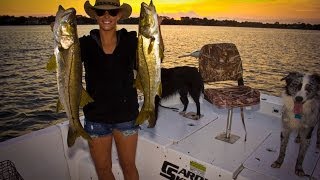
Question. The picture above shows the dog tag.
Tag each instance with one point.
(298, 116)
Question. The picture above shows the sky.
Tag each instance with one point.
(283, 11)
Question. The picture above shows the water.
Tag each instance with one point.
(28, 93)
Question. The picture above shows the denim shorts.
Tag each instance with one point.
(98, 129)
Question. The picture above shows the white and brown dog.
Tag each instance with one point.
(301, 112)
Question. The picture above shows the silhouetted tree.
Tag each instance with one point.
(11, 20)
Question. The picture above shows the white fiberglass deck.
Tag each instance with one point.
(177, 148)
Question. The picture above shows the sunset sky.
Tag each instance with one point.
(283, 11)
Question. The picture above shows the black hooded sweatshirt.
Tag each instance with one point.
(109, 78)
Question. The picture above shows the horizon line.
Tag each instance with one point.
(283, 21)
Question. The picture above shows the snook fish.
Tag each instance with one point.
(150, 55)
(67, 63)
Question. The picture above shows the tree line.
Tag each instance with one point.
(81, 20)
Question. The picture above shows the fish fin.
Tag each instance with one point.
(85, 98)
(161, 47)
(137, 83)
(51, 26)
(143, 115)
(152, 119)
(78, 131)
(135, 74)
(140, 41)
(161, 53)
(52, 64)
(150, 48)
(160, 89)
(60, 8)
(72, 136)
(59, 106)
(153, 115)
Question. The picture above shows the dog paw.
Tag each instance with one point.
(191, 115)
(299, 172)
(197, 117)
(182, 113)
(276, 164)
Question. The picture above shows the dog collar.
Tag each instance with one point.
(298, 116)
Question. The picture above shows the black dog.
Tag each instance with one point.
(183, 80)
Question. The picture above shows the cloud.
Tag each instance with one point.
(305, 10)
(178, 15)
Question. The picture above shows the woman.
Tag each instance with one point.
(109, 56)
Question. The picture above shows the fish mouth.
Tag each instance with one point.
(144, 5)
(146, 8)
(69, 13)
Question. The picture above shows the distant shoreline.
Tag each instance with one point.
(83, 20)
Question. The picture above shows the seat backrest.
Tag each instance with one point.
(220, 62)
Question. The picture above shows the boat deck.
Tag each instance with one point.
(180, 148)
(241, 160)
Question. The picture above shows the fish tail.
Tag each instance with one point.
(153, 119)
(154, 114)
(72, 136)
(74, 133)
(143, 115)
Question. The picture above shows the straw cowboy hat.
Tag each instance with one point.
(107, 5)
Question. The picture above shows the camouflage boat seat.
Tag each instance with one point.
(222, 62)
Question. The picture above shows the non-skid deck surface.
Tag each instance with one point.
(250, 159)
(173, 126)
(267, 153)
(203, 146)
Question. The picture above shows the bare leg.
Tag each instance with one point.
(127, 146)
(100, 149)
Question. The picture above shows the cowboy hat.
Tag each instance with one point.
(107, 5)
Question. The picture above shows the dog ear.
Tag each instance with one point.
(316, 78)
(291, 76)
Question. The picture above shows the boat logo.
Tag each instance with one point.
(173, 172)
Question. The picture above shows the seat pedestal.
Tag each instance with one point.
(227, 136)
